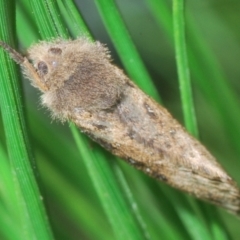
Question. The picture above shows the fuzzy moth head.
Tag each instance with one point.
(72, 74)
(55, 61)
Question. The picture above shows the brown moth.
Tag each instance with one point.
(79, 83)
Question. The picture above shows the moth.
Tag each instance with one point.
(79, 83)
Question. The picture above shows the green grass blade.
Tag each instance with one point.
(48, 19)
(33, 217)
(74, 203)
(25, 20)
(125, 47)
(213, 83)
(126, 189)
(183, 67)
(73, 19)
(119, 213)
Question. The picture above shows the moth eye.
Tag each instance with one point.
(55, 51)
(42, 68)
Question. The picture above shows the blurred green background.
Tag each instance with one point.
(74, 207)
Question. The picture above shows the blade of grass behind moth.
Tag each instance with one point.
(48, 19)
(216, 225)
(111, 197)
(33, 216)
(206, 66)
(73, 18)
(131, 199)
(183, 67)
(69, 201)
(125, 47)
(25, 20)
(122, 222)
(160, 224)
(191, 217)
(184, 77)
(156, 208)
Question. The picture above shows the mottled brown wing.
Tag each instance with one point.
(144, 134)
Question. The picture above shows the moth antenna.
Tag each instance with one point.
(17, 57)
(23, 61)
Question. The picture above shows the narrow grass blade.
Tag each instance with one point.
(183, 67)
(125, 47)
(32, 213)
